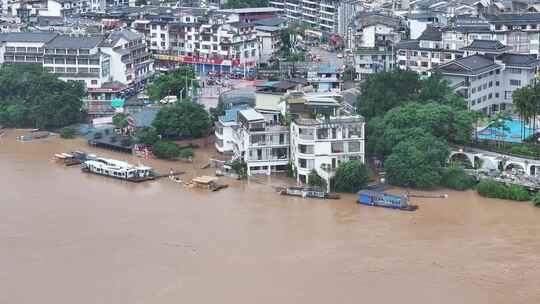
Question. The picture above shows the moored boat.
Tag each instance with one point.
(307, 192)
(118, 169)
(381, 199)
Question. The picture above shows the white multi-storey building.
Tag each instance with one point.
(322, 144)
(262, 144)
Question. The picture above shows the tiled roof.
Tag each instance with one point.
(487, 45)
(431, 33)
(70, 42)
(27, 37)
(270, 22)
(519, 60)
(470, 65)
(514, 18)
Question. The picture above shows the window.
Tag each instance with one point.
(154, 27)
(484, 98)
(32, 50)
(484, 86)
(424, 64)
(48, 61)
(514, 71)
(72, 52)
(507, 94)
(490, 96)
(515, 82)
(424, 54)
(94, 82)
(94, 71)
(162, 36)
(497, 83)
(60, 70)
(490, 84)
(473, 90)
(71, 60)
(83, 70)
(83, 61)
(496, 95)
(59, 61)
(60, 51)
(71, 70)
(447, 55)
(163, 44)
(497, 71)
(48, 69)
(94, 61)
(10, 49)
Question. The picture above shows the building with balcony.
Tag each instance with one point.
(322, 144)
(262, 144)
(489, 75)
(325, 78)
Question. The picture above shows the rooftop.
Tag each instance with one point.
(251, 115)
(515, 18)
(270, 22)
(471, 65)
(27, 37)
(72, 42)
(331, 120)
(251, 10)
(521, 60)
(230, 115)
(486, 45)
(431, 33)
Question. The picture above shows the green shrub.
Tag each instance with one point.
(240, 168)
(315, 180)
(67, 133)
(536, 200)
(166, 150)
(187, 153)
(351, 176)
(492, 189)
(517, 193)
(455, 178)
(524, 150)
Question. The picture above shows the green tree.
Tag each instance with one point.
(348, 74)
(384, 91)
(30, 97)
(147, 136)
(492, 189)
(315, 180)
(245, 3)
(183, 120)
(67, 133)
(417, 162)
(176, 83)
(120, 120)
(187, 153)
(351, 176)
(126, 141)
(166, 150)
(240, 168)
(536, 200)
(454, 178)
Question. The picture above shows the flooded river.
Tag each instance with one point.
(68, 237)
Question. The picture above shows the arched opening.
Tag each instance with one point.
(461, 160)
(515, 167)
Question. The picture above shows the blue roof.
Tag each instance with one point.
(230, 115)
(268, 84)
(327, 70)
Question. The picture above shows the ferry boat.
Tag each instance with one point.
(381, 199)
(118, 169)
(307, 192)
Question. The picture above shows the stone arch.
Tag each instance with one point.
(462, 158)
(517, 165)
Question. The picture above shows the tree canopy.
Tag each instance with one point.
(176, 83)
(245, 3)
(417, 161)
(351, 176)
(183, 119)
(30, 97)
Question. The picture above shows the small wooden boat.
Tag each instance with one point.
(208, 182)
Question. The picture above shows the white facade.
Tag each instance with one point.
(321, 145)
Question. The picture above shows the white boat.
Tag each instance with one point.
(118, 169)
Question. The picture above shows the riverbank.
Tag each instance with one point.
(70, 237)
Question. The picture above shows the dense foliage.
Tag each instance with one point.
(147, 136)
(166, 150)
(536, 200)
(67, 133)
(315, 180)
(351, 176)
(176, 83)
(245, 3)
(493, 189)
(120, 120)
(410, 123)
(454, 178)
(30, 97)
(526, 101)
(183, 120)
(417, 161)
(240, 168)
(186, 153)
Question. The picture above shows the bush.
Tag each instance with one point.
(126, 141)
(166, 150)
(120, 120)
(492, 189)
(315, 180)
(524, 150)
(147, 136)
(536, 200)
(457, 179)
(517, 193)
(351, 176)
(240, 168)
(67, 133)
(186, 153)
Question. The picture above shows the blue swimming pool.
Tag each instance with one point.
(512, 134)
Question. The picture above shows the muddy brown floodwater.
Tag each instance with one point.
(68, 237)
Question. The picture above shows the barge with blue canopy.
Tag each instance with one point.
(381, 199)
